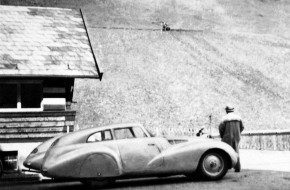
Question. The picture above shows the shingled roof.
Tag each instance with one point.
(44, 42)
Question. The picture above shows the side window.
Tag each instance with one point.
(100, 136)
(107, 135)
(130, 132)
(138, 132)
(124, 133)
(96, 137)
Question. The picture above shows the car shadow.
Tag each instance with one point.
(141, 182)
(149, 183)
(136, 183)
(76, 185)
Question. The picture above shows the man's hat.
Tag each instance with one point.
(229, 108)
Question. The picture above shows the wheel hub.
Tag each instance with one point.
(213, 164)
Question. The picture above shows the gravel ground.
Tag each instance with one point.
(265, 160)
(261, 170)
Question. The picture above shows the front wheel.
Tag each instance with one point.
(213, 165)
(99, 182)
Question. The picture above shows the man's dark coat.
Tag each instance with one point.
(230, 130)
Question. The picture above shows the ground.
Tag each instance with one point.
(247, 179)
(261, 170)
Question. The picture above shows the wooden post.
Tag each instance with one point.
(69, 89)
(210, 124)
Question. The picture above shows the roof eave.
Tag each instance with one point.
(52, 76)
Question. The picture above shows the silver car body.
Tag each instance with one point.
(74, 156)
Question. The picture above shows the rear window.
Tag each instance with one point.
(100, 136)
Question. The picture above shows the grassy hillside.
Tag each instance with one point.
(219, 51)
(170, 79)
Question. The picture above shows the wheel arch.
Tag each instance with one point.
(100, 165)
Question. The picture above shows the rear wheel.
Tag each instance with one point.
(213, 165)
(97, 182)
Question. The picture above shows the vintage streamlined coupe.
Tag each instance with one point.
(100, 155)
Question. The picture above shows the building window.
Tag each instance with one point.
(31, 95)
(8, 95)
(21, 95)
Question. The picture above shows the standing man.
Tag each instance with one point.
(230, 130)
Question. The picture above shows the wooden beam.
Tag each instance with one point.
(56, 90)
(92, 50)
(33, 124)
(30, 119)
(21, 130)
(30, 135)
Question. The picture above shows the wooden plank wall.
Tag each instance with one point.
(169, 131)
(35, 125)
(266, 142)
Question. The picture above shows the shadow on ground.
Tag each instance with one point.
(247, 179)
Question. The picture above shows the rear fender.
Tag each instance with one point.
(99, 165)
(82, 161)
(35, 158)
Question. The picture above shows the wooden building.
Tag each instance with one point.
(42, 51)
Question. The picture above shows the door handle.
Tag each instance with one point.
(153, 144)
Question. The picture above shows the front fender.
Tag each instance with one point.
(184, 157)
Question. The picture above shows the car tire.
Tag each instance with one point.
(1, 169)
(213, 165)
(97, 182)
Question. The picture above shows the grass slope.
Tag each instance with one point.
(227, 51)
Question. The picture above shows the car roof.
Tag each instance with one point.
(82, 135)
(112, 126)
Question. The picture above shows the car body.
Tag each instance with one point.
(100, 155)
